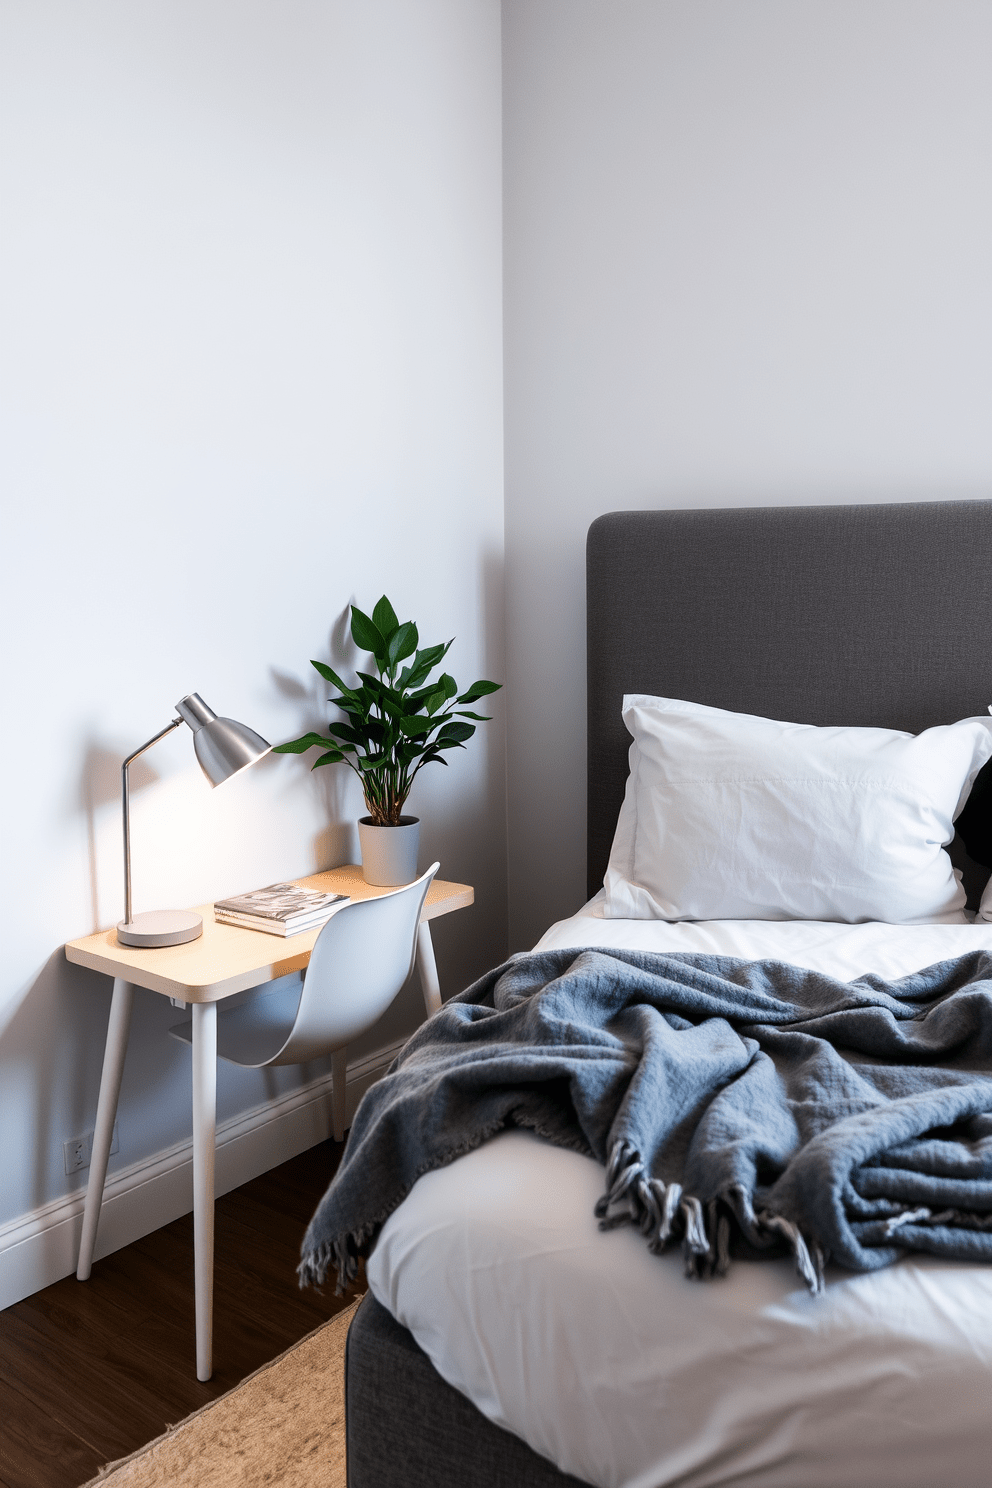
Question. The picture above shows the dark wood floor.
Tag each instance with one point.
(90, 1371)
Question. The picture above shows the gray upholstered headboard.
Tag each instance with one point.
(859, 615)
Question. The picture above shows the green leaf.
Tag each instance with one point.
(391, 703)
(366, 634)
(464, 713)
(384, 618)
(431, 655)
(456, 732)
(298, 746)
(402, 642)
(416, 700)
(329, 675)
(416, 728)
(425, 662)
(430, 757)
(332, 757)
(364, 701)
(356, 708)
(449, 685)
(435, 700)
(478, 690)
(346, 732)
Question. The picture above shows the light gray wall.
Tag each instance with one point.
(747, 254)
(251, 370)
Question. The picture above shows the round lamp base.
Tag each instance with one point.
(161, 927)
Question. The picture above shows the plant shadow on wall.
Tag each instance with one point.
(396, 721)
(332, 841)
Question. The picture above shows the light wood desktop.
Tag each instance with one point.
(224, 960)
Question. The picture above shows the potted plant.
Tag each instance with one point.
(395, 723)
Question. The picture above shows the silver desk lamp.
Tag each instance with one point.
(223, 748)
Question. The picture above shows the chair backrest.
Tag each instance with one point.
(362, 957)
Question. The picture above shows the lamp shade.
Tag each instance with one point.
(223, 747)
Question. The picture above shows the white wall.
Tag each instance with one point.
(251, 370)
(747, 254)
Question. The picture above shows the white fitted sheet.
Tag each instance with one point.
(603, 1357)
(842, 951)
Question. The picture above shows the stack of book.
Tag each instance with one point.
(279, 909)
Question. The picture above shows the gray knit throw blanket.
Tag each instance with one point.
(735, 1105)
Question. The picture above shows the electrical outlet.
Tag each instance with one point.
(79, 1150)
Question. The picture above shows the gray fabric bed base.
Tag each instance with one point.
(444, 1439)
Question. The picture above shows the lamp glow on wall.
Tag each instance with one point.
(224, 748)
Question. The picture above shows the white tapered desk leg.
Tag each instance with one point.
(204, 1139)
(106, 1113)
(427, 969)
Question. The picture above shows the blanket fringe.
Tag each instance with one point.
(342, 1252)
(809, 1264)
(663, 1211)
(633, 1198)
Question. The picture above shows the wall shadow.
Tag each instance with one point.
(52, 1049)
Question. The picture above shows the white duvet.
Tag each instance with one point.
(603, 1358)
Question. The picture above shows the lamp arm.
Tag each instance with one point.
(126, 811)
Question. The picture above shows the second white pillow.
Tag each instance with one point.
(728, 816)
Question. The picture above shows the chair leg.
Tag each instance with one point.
(339, 1075)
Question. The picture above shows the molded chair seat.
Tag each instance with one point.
(362, 957)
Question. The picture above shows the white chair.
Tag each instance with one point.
(361, 959)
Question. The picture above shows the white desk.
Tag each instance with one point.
(224, 960)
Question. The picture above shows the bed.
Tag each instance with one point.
(521, 1345)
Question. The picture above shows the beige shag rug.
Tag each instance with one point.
(283, 1425)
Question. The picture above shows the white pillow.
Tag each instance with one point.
(730, 817)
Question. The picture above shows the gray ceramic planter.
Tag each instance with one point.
(389, 854)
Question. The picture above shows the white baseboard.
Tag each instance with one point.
(39, 1248)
